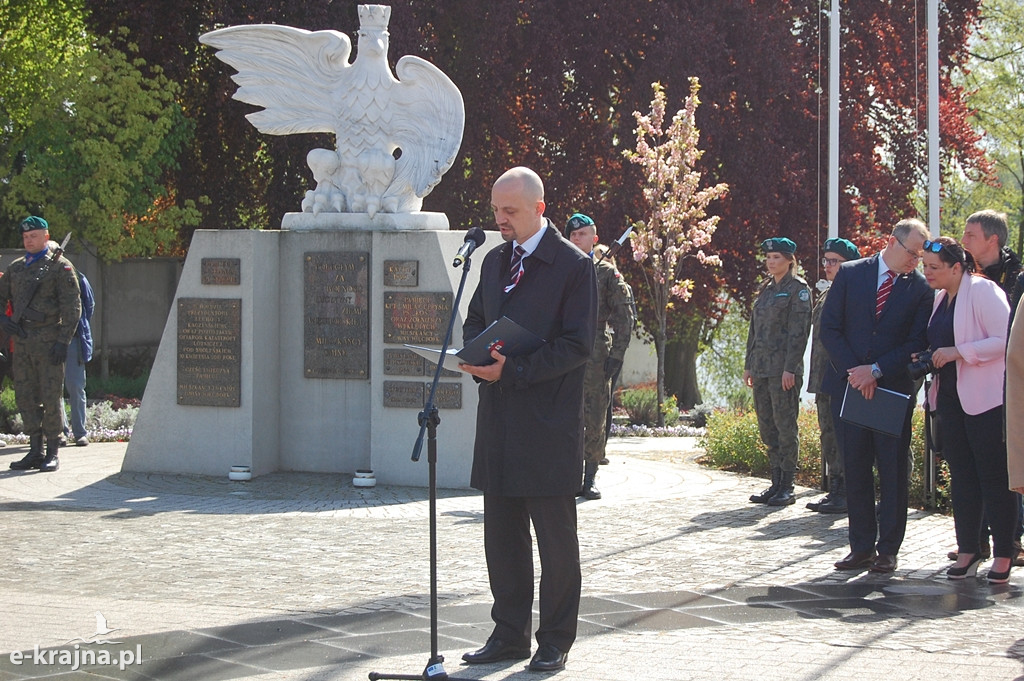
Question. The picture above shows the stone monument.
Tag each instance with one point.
(285, 349)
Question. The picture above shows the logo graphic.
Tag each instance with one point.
(75, 657)
(101, 630)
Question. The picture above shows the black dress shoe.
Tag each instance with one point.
(884, 563)
(856, 560)
(496, 650)
(548, 659)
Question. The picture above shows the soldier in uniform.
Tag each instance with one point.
(44, 295)
(837, 251)
(614, 328)
(779, 323)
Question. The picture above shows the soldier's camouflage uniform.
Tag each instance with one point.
(51, 317)
(819, 360)
(615, 319)
(779, 324)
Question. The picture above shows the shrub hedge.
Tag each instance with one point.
(731, 442)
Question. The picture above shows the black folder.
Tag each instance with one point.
(886, 412)
(509, 338)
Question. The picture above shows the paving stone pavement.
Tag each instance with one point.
(298, 576)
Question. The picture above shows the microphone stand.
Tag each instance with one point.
(429, 420)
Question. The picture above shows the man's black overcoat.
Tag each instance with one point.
(529, 430)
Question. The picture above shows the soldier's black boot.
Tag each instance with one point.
(34, 456)
(767, 494)
(837, 497)
(784, 497)
(50, 462)
(590, 490)
(815, 505)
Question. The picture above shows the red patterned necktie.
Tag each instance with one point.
(883, 293)
(516, 268)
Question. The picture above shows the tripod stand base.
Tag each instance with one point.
(434, 672)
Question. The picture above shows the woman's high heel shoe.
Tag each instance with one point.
(994, 577)
(969, 570)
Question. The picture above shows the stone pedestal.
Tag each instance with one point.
(284, 351)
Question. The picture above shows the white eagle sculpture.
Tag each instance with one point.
(395, 137)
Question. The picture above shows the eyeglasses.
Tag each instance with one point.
(830, 262)
(916, 256)
(933, 246)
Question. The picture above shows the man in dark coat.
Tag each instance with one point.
(875, 316)
(528, 456)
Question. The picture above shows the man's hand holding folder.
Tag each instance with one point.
(489, 372)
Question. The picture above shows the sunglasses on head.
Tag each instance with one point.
(933, 246)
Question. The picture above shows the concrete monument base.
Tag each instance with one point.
(285, 351)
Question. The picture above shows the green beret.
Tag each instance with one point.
(843, 247)
(577, 221)
(32, 223)
(778, 245)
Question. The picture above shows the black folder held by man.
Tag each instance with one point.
(886, 412)
(505, 335)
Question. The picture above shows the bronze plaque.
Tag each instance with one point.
(402, 363)
(405, 394)
(210, 352)
(431, 367)
(221, 271)
(336, 339)
(416, 318)
(448, 395)
(401, 272)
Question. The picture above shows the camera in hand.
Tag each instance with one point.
(922, 366)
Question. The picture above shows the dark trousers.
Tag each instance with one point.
(974, 449)
(509, 550)
(862, 449)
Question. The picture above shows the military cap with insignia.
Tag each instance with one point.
(577, 221)
(32, 223)
(842, 247)
(778, 245)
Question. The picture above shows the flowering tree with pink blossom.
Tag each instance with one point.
(677, 226)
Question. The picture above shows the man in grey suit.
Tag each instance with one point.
(875, 316)
(528, 456)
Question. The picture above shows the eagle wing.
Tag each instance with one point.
(427, 123)
(292, 73)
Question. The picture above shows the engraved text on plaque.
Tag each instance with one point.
(210, 352)
(416, 318)
(337, 315)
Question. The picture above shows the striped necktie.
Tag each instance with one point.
(515, 270)
(883, 293)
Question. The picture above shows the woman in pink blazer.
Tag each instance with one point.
(967, 335)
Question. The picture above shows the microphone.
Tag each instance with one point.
(474, 239)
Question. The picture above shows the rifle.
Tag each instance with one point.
(20, 308)
(619, 243)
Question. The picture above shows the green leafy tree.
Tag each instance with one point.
(676, 225)
(96, 157)
(996, 82)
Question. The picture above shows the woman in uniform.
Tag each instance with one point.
(779, 324)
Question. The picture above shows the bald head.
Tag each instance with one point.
(517, 200)
(524, 180)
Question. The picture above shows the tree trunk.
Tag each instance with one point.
(681, 372)
(659, 350)
(681, 363)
